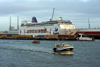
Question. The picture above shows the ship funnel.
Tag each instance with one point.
(34, 20)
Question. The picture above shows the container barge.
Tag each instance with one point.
(38, 37)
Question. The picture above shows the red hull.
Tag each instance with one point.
(89, 32)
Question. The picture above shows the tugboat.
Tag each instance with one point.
(35, 41)
(62, 48)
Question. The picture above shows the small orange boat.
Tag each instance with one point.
(35, 41)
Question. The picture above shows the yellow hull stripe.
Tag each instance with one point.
(64, 51)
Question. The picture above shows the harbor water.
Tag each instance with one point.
(24, 53)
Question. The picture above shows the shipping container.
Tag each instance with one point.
(52, 36)
(36, 36)
(48, 36)
(9, 35)
(22, 35)
(45, 36)
(40, 35)
(19, 35)
(4, 36)
(30, 36)
(56, 36)
(13, 35)
(26, 35)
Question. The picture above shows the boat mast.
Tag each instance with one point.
(88, 23)
(53, 13)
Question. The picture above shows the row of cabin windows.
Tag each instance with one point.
(36, 31)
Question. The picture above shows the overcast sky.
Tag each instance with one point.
(78, 11)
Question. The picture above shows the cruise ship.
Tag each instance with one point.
(45, 28)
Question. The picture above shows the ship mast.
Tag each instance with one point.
(53, 13)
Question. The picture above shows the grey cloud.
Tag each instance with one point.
(68, 6)
(43, 8)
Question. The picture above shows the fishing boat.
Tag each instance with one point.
(62, 48)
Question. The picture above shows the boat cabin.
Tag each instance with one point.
(61, 45)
